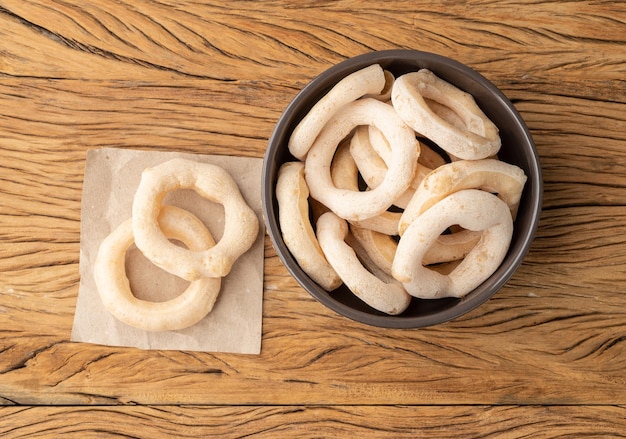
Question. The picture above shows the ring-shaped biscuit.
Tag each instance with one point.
(345, 175)
(367, 261)
(387, 223)
(369, 80)
(384, 95)
(381, 248)
(378, 143)
(428, 158)
(504, 179)
(343, 170)
(478, 140)
(292, 195)
(358, 205)
(113, 286)
(446, 113)
(389, 298)
(241, 225)
(451, 247)
(472, 209)
(374, 167)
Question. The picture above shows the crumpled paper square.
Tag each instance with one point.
(234, 325)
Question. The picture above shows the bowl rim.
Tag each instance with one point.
(325, 80)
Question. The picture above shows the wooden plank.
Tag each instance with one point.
(318, 421)
(61, 122)
(72, 117)
(206, 78)
(126, 41)
(553, 336)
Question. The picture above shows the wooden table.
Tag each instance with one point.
(545, 357)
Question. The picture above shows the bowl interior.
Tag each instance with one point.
(517, 148)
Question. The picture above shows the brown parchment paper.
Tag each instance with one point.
(234, 325)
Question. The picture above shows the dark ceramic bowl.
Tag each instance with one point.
(517, 148)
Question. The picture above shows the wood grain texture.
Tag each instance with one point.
(544, 357)
(318, 421)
